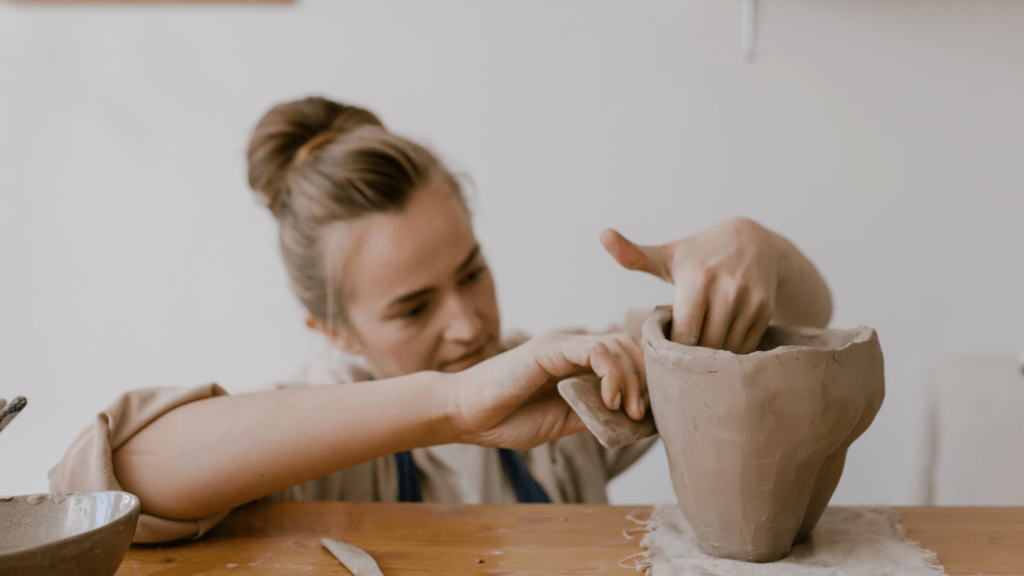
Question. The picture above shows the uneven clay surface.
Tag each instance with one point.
(612, 428)
(756, 442)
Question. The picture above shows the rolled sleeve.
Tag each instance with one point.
(88, 463)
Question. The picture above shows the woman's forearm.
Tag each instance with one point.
(215, 454)
(803, 297)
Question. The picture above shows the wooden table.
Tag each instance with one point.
(284, 538)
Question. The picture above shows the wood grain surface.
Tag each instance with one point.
(284, 538)
(969, 540)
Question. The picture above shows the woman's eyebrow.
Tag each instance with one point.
(410, 297)
(469, 259)
(415, 295)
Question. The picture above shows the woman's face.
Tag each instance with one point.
(418, 292)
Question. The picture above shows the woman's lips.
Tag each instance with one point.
(468, 359)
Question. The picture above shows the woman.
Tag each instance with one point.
(380, 250)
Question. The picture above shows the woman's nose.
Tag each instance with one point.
(463, 323)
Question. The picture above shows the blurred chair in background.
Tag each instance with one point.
(974, 432)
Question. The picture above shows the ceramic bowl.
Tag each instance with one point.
(85, 533)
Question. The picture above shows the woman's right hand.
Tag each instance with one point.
(511, 400)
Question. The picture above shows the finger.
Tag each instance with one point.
(620, 377)
(689, 306)
(633, 403)
(628, 394)
(613, 375)
(554, 357)
(636, 379)
(648, 259)
(719, 317)
(756, 333)
(751, 312)
(637, 356)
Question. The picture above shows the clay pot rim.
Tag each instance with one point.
(652, 335)
(58, 544)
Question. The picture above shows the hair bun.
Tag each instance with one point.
(295, 128)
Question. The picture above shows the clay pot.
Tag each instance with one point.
(756, 442)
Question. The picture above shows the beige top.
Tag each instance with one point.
(574, 469)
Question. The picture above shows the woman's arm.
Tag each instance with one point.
(730, 281)
(215, 454)
(212, 455)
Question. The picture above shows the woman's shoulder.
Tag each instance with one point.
(330, 367)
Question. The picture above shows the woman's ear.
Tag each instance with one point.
(341, 338)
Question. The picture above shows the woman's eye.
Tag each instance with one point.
(415, 311)
(473, 275)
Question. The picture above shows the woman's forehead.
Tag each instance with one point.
(394, 253)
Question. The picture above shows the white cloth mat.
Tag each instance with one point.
(848, 541)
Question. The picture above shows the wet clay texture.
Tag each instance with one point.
(756, 442)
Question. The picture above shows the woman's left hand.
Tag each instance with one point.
(730, 281)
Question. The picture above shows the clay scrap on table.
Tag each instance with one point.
(352, 557)
(756, 443)
(613, 428)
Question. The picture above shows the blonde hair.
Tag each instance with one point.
(315, 163)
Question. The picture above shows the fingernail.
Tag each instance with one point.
(643, 406)
(617, 402)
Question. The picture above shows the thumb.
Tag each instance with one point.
(648, 259)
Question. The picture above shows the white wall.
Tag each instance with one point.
(883, 137)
